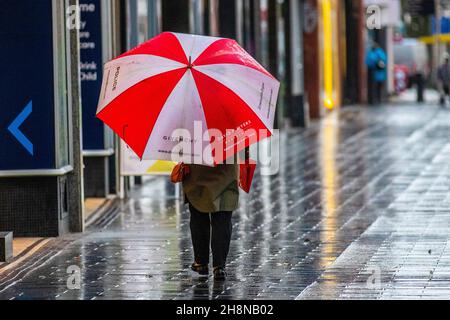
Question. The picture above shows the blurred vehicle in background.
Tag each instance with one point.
(412, 66)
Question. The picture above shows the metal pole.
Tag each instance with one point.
(437, 44)
(132, 21)
(196, 23)
(214, 18)
(117, 48)
(177, 191)
(75, 178)
(154, 18)
(122, 187)
(240, 21)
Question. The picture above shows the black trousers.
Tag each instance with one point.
(375, 93)
(444, 94)
(419, 80)
(211, 230)
(374, 88)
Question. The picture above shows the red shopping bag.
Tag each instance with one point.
(247, 172)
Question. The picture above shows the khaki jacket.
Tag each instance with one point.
(211, 189)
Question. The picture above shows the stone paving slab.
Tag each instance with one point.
(363, 191)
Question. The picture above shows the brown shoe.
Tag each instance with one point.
(220, 274)
(201, 269)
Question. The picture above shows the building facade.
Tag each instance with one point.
(334, 46)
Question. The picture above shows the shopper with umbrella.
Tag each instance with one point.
(193, 91)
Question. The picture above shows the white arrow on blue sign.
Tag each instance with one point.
(15, 131)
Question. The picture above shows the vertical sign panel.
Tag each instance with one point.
(421, 7)
(91, 56)
(27, 128)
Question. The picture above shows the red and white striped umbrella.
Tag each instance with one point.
(189, 82)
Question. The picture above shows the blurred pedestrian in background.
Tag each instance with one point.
(444, 79)
(213, 195)
(376, 61)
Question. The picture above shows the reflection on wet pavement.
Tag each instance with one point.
(359, 209)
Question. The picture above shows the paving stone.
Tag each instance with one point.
(355, 198)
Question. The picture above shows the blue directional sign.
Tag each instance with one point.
(27, 108)
(15, 131)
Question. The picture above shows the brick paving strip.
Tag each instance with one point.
(29, 260)
(404, 254)
(353, 190)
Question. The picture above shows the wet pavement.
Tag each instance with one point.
(360, 209)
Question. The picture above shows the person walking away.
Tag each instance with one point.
(444, 79)
(376, 61)
(212, 194)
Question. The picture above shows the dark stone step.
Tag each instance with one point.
(6, 246)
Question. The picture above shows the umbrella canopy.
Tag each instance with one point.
(180, 89)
